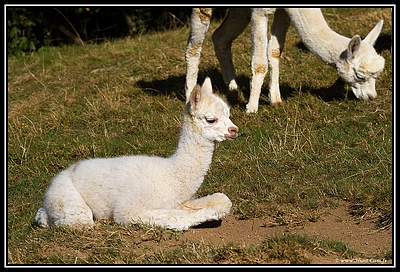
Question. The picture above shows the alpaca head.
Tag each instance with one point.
(209, 114)
(360, 65)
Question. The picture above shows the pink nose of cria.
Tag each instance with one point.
(232, 132)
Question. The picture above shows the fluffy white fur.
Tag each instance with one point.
(356, 60)
(148, 189)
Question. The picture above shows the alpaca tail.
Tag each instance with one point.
(42, 218)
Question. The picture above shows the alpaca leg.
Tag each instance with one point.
(279, 28)
(63, 205)
(199, 24)
(259, 65)
(191, 213)
(234, 23)
(165, 218)
(208, 208)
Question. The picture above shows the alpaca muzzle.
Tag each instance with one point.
(232, 133)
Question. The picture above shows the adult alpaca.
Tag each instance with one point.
(356, 60)
(148, 189)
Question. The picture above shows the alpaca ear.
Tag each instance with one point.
(374, 33)
(195, 97)
(207, 87)
(354, 47)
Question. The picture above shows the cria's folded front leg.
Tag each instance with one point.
(208, 208)
(169, 219)
(191, 213)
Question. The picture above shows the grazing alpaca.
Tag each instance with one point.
(356, 60)
(146, 189)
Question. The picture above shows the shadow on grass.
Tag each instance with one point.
(210, 224)
(383, 42)
(335, 92)
(175, 87)
(172, 86)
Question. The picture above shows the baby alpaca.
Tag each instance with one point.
(148, 189)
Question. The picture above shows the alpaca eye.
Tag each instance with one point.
(211, 120)
(359, 76)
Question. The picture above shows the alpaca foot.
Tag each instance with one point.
(209, 208)
(233, 86)
(277, 104)
(251, 108)
(41, 218)
(81, 219)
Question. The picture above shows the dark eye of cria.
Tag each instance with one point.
(211, 120)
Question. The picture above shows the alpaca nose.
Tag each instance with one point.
(372, 96)
(233, 130)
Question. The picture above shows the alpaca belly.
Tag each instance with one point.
(117, 187)
(102, 198)
(101, 182)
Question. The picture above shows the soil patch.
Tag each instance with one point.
(361, 234)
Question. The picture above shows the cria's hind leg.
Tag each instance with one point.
(63, 204)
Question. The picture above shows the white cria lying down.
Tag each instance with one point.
(148, 189)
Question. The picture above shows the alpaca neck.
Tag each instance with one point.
(193, 155)
(316, 35)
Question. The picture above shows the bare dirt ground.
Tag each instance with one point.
(361, 235)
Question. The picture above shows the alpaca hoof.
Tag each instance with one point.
(251, 109)
(277, 104)
(233, 86)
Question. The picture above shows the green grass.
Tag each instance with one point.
(126, 97)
